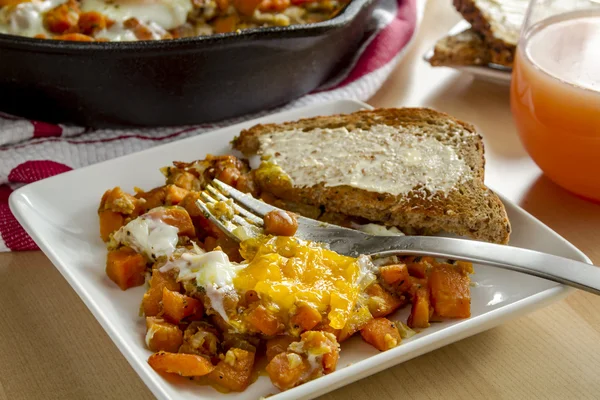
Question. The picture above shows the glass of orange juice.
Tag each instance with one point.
(555, 92)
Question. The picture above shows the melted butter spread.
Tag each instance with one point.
(382, 159)
(505, 17)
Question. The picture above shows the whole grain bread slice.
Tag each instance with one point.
(499, 22)
(469, 209)
(464, 48)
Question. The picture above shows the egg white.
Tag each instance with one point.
(168, 14)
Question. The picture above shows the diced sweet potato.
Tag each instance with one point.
(177, 217)
(125, 267)
(280, 223)
(175, 195)
(183, 179)
(91, 22)
(418, 266)
(381, 333)
(381, 302)
(74, 37)
(234, 371)
(200, 338)
(225, 25)
(154, 198)
(189, 203)
(421, 309)
(118, 201)
(262, 320)
(181, 364)
(396, 276)
(321, 343)
(62, 18)
(415, 284)
(110, 222)
(287, 370)
(450, 292)
(177, 306)
(306, 317)
(246, 7)
(12, 2)
(151, 303)
(278, 345)
(358, 319)
(163, 336)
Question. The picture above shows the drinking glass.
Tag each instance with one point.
(555, 92)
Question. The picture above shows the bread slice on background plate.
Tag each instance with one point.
(499, 22)
(413, 168)
(464, 48)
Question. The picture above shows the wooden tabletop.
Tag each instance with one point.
(51, 346)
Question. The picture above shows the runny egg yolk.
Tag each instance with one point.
(289, 272)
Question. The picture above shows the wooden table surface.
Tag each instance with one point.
(51, 347)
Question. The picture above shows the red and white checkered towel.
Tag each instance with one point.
(32, 150)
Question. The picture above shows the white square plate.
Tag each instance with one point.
(491, 72)
(60, 214)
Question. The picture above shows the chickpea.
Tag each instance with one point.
(280, 223)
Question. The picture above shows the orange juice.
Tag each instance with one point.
(555, 99)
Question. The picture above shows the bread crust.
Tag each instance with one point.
(502, 49)
(464, 48)
(471, 209)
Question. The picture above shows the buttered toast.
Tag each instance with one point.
(413, 168)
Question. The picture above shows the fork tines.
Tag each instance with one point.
(248, 217)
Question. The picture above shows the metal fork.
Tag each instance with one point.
(250, 211)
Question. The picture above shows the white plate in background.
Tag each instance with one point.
(60, 215)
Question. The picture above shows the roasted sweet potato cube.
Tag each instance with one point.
(262, 320)
(183, 179)
(117, 200)
(450, 292)
(381, 302)
(418, 269)
(177, 217)
(394, 274)
(175, 195)
(110, 222)
(180, 364)
(151, 303)
(278, 345)
(306, 317)
(125, 267)
(287, 370)
(246, 7)
(154, 198)
(381, 333)
(421, 309)
(177, 306)
(234, 371)
(163, 336)
(62, 18)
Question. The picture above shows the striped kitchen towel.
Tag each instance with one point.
(32, 150)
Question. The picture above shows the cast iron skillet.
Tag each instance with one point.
(174, 82)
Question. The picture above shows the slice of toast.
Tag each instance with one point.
(499, 22)
(467, 208)
(464, 48)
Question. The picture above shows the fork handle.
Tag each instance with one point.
(558, 269)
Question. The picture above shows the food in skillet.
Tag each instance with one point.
(213, 309)
(131, 20)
